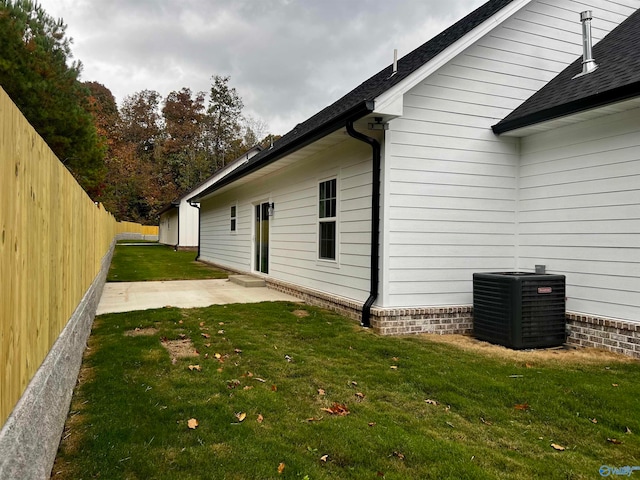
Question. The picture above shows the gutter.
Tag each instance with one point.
(196, 205)
(375, 221)
(599, 99)
(272, 155)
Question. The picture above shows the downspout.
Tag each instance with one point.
(375, 221)
(196, 205)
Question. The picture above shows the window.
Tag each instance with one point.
(327, 219)
(233, 218)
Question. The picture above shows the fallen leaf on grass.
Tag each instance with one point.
(321, 391)
(615, 441)
(360, 395)
(314, 419)
(337, 409)
(593, 420)
(485, 422)
(628, 431)
(192, 423)
(261, 380)
(431, 402)
(248, 387)
(237, 350)
(220, 332)
(394, 367)
(281, 467)
(395, 359)
(615, 385)
(218, 356)
(521, 406)
(260, 418)
(555, 446)
(241, 416)
(324, 458)
(355, 384)
(205, 335)
(274, 388)
(372, 424)
(202, 324)
(399, 455)
(197, 368)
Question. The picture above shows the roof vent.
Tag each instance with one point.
(395, 62)
(588, 63)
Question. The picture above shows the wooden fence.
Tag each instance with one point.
(52, 241)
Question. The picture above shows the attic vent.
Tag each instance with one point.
(395, 62)
(588, 63)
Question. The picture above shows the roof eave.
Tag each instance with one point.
(600, 99)
(358, 111)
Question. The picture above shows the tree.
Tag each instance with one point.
(141, 121)
(224, 121)
(183, 151)
(34, 71)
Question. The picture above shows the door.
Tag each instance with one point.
(262, 238)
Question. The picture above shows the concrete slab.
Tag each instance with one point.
(129, 296)
(247, 281)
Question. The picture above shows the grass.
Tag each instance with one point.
(136, 263)
(488, 417)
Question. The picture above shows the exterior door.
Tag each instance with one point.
(262, 238)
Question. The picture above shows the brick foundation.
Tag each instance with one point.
(583, 330)
(609, 334)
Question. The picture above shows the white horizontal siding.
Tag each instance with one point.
(451, 186)
(168, 229)
(293, 242)
(580, 212)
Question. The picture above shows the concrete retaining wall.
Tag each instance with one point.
(30, 437)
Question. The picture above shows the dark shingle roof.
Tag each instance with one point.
(359, 101)
(616, 78)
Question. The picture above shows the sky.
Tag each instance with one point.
(287, 59)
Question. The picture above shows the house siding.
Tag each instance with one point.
(580, 212)
(168, 231)
(293, 242)
(451, 186)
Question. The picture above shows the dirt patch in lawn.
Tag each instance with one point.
(142, 332)
(565, 354)
(182, 348)
(300, 313)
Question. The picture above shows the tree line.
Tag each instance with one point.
(136, 157)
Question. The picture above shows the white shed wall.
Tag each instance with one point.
(450, 184)
(294, 227)
(580, 212)
(188, 224)
(168, 228)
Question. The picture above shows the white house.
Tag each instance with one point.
(385, 203)
(179, 220)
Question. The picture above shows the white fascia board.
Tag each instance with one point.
(227, 169)
(391, 102)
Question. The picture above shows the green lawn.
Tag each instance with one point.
(417, 409)
(145, 262)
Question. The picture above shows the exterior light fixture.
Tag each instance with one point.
(378, 125)
(271, 208)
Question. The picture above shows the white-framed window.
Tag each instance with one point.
(327, 219)
(233, 218)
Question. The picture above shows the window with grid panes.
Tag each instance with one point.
(327, 219)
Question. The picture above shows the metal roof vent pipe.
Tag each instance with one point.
(588, 63)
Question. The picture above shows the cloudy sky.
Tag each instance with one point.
(287, 59)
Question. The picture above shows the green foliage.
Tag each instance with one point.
(129, 415)
(34, 71)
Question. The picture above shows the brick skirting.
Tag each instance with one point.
(583, 330)
(609, 334)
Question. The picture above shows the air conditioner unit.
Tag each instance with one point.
(519, 310)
